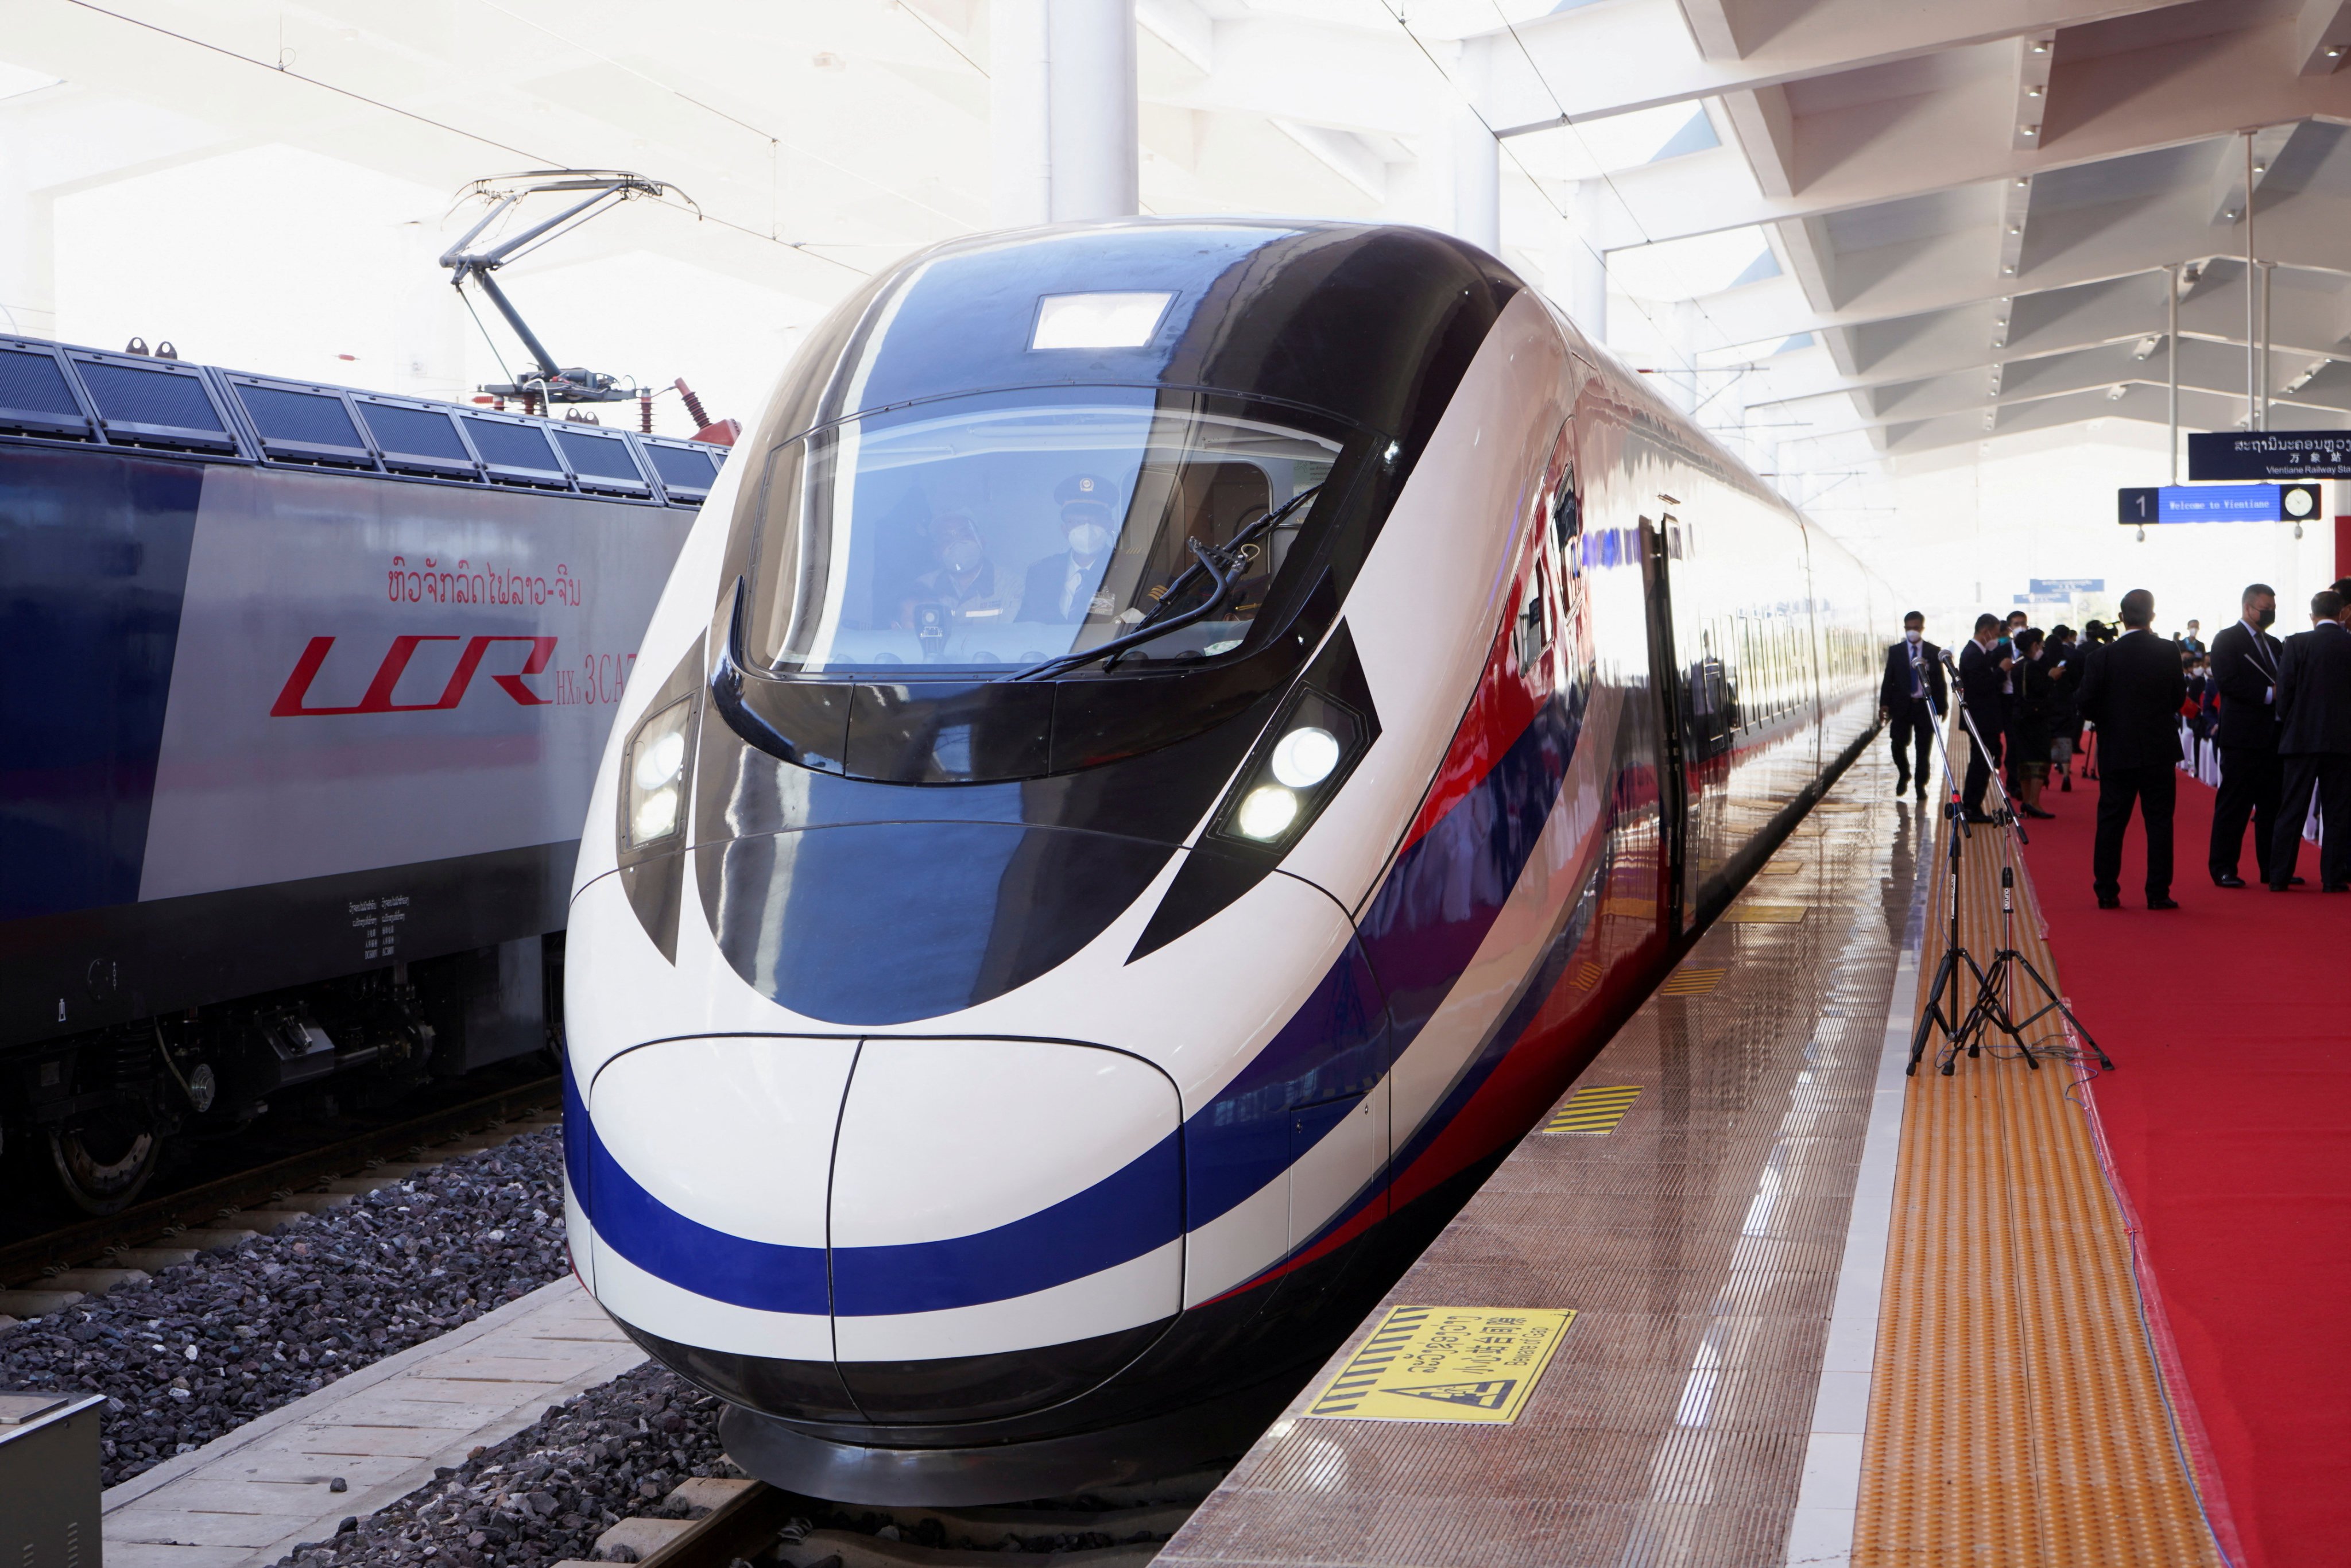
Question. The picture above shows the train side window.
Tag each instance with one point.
(1565, 507)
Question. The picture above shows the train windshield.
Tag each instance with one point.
(983, 536)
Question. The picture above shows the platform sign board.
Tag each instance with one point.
(2063, 587)
(1476, 1365)
(2149, 504)
(2044, 599)
(2270, 454)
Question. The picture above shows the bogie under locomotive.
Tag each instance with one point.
(1176, 743)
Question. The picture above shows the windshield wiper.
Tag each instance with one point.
(1222, 567)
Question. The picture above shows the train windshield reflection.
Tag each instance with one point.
(965, 539)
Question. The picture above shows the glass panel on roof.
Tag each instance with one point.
(510, 446)
(422, 432)
(598, 456)
(316, 419)
(679, 467)
(33, 382)
(137, 396)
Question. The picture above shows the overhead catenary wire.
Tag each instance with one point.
(1396, 11)
(1569, 121)
(804, 247)
(773, 138)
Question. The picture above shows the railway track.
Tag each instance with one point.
(43, 1274)
(728, 1522)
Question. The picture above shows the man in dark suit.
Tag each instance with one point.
(2133, 695)
(1911, 696)
(1064, 588)
(2245, 673)
(2314, 743)
(1983, 685)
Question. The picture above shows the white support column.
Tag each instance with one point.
(1587, 294)
(1062, 110)
(1476, 180)
(1020, 187)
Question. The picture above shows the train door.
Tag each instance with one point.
(1665, 689)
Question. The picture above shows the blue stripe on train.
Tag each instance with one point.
(1135, 1211)
(1427, 923)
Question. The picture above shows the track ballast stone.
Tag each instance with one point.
(614, 1452)
(550, 1490)
(206, 1346)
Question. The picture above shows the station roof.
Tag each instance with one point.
(1933, 222)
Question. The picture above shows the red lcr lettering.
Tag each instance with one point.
(377, 698)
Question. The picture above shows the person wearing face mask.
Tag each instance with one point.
(962, 587)
(2245, 674)
(1910, 695)
(1064, 588)
(1984, 665)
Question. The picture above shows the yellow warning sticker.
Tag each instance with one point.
(1765, 914)
(1691, 982)
(1446, 1363)
(1594, 1110)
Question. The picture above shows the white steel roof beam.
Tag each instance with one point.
(1910, 277)
(2228, 173)
(1569, 66)
(2322, 36)
(1849, 156)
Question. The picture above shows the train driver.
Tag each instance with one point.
(962, 585)
(1064, 588)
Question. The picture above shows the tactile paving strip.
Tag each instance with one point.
(1698, 1244)
(2016, 1414)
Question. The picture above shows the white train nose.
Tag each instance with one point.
(703, 1175)
(925, 1211)
(994, 1195)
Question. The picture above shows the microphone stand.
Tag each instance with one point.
(1989, 1010)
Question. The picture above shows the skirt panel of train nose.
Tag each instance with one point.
(888, 1231)
(1008, 1224)
(701, 1168)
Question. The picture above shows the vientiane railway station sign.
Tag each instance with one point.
(2270, 454)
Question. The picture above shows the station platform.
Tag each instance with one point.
(1822, 1312)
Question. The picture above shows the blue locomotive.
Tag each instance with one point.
(304, 689)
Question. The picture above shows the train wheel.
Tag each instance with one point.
(105, 1158)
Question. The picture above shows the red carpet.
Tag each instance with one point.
(2229, 1118)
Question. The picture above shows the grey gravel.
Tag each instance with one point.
(208, 1345)
(614, 1452)
(547, 1492)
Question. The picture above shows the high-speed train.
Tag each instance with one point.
(1167, 751)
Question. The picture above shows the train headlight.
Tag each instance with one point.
(1307, 754)
(655, 776)
(1304, 757)
(1266, 813)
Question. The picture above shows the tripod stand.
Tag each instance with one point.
(1991, 1010)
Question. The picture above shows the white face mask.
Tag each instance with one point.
(1088, 539)
(1914, 636)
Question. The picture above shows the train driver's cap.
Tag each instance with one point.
(1091, 487)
